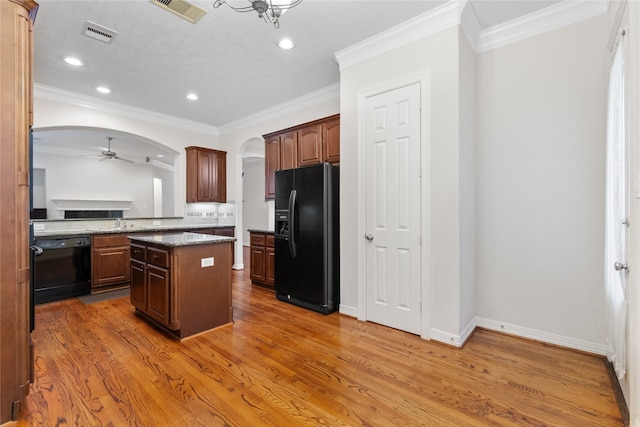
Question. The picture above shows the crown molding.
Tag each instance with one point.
(73, 98)
(470, 25)
(547, 19)
(431, 22)
(309, 100)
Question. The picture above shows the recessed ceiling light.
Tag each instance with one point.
(192, 97)
(73, 61)
(160, 155)
(103, 89)
(286, 44)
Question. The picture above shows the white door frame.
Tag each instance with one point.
(423, 78)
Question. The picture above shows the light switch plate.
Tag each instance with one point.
(206, 262)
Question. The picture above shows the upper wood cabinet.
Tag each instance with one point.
(16, 113)
(206, 175)
(289, 150)
(303, 145)
(310, 145)
(331, 141)
(271, 165)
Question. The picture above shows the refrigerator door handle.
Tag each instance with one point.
(292, 223)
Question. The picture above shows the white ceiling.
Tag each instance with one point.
(229, 59)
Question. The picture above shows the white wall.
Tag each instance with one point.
(467, 130)
(254, 206)
(540, 183)
(437, 54)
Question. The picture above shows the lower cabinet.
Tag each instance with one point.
(109, 262)
(171, 287)
(262, 259)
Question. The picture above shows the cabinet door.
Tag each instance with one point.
(138, 289)
(289, 150)
(310, 145)
(158, 293)
(110, 266)
(270, 273)
(257, 263)
(271, 165)
(331, 141)
(206, 175)
(219, 177)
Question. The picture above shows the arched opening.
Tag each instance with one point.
(91, 165)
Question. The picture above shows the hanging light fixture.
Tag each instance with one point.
(269, 10)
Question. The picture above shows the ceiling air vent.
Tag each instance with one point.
(182, 8)
(98, 32)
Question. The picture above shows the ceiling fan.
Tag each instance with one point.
(108, 154)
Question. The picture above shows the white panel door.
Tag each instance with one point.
(392, 208)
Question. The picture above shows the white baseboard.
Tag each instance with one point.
(348, 310)
(238, 266)
(547, 337)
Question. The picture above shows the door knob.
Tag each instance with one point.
(620, 266)
(369, 237)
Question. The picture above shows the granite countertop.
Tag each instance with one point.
(256, 230)
(181, 239)
(143, 229)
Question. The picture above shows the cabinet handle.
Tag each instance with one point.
(156, 256)
(136, 251)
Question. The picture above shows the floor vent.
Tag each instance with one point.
(182, 8)
(98, 32)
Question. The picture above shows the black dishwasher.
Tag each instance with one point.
(63, 268)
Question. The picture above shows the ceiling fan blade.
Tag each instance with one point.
(124, 160)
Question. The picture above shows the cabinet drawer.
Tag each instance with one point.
(158, 257)
(270, 239)
(138, 252)
(224, 231)
(110, 240)
(257, 239)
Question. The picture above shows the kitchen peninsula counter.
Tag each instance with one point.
(181, 282)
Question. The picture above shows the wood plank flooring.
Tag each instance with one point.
(280, 365)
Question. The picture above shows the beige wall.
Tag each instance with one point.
(541, 117)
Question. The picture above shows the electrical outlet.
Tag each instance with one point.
(157, 222)
(38, 226)
(206, 262)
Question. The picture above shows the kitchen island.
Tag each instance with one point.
(181, 282)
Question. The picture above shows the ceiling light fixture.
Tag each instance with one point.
(286, 44)
(269, 10)
(103, 89)
(192, 97)
(73, 61)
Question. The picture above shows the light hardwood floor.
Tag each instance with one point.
(281, 365)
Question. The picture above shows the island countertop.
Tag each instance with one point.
(181, 239)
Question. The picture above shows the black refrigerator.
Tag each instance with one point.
(307, 255)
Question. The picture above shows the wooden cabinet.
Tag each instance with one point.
(150, 282)
(219, 231)
(331, 141)
(16, 118)
(310, 145)
(271, 165)
(109, 262)
(206, 175)
(262, 258)
(184, 289)
(303, 145)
